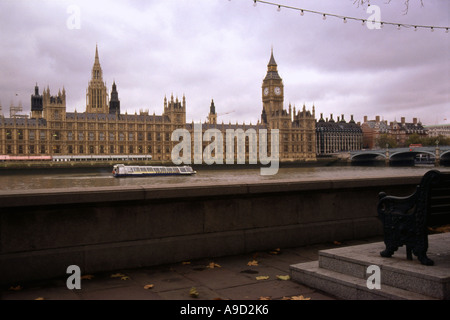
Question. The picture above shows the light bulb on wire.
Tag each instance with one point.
(302, 12)
(279, 8)
(324, 17)
(254, 3)
(345, 20)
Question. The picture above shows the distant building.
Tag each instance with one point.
(103, 130)
(399, 131)
(337, 136)
(438, 130)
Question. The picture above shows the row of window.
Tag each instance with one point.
(91, 136)
(81, 149)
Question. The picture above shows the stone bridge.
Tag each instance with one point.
(426, 154)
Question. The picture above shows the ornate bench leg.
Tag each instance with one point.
(388, 252)
(408, 253)
(425, 260)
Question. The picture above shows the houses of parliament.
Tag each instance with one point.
(104, 130)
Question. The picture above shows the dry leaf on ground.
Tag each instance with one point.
(287, 277)
(193, 292)
(264, 298)
(262, 277)
(16, 288)
(87, 277)
(148, 286)
(117, 275)
(440, 229)
(300, 297)
(252, 263)
(213, 265)
(39, 298)
(125, 278)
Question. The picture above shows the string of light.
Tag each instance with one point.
(345, 18)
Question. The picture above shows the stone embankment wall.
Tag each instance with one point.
(42, 232)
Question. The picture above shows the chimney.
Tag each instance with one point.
(365, 118)
(415, 120)
(377, 119)
(403, 120)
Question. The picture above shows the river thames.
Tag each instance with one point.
(88, 178)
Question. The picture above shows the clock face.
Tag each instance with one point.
(277, 91)
(266, 91)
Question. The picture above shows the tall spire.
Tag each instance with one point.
(97, 96)
(96, 54)
(272, 59)
(272, 69)
(97, 69)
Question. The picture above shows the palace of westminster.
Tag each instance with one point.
(103, 130)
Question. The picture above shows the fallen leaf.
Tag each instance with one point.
(440, 229)
(117, 275)
(39, 298)
(125, 278)
(87, 277)
(252, 263)
(337, 243)
(264, 298)
(287, 277)
(275, 251)
(301, 297)
(262, 277)
(148, 286)
(16, 288)
(186, 262)
(193, 292)
(213, 265)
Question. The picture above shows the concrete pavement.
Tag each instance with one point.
(221, 278)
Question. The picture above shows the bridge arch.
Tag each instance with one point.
(366, 156)
(409, 155)
(445, 155)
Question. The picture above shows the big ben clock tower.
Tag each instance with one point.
(272, 91)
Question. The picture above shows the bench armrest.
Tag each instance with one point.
(388, 205)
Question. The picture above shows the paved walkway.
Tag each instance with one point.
(224, 278)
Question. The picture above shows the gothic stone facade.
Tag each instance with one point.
(103, 130)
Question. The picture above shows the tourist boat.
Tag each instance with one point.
(121, 170)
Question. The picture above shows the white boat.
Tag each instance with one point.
(121, 170)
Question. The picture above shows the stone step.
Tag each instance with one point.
(398, 275)
(347, 287)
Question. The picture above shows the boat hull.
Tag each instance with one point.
(150, 174)
(121, 170)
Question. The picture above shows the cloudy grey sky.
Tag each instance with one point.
(219, 49)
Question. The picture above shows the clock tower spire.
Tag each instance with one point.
(272, 91)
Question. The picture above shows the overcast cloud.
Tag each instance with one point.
(219, 49)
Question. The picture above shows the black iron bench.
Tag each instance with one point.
(407, 220)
